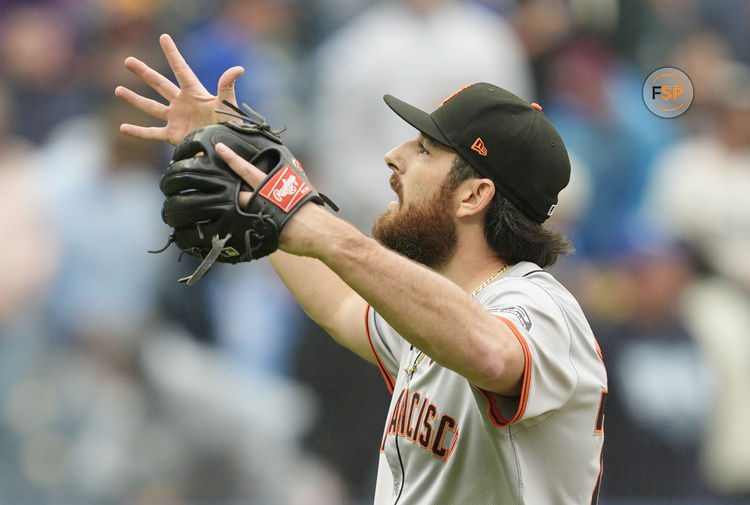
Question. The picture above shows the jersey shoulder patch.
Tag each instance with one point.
(520, 313)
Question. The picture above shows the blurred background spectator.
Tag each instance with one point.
(119, 386)
(43, 68)
(659, 379)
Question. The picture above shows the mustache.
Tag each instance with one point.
(396, 185)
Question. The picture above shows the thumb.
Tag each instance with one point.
(239, 165)
(225, 88)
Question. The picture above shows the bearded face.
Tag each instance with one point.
(424, 232)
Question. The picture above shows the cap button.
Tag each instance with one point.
(536, 106)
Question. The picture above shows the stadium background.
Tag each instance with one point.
(119, 386)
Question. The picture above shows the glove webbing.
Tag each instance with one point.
(252, 120)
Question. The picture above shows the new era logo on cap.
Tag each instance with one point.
(479, 147)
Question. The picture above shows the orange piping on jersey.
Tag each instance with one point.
(598, 485)
(496, 417)
(389, 382)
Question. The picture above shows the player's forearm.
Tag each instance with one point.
(317, 289)
(326, 299)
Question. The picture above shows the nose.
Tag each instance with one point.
(394, 158)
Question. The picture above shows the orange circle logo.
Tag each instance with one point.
(668, 92)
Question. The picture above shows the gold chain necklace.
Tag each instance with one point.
(490, 279)
(413, 368)
(410, 370)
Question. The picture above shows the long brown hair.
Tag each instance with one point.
(511, 234)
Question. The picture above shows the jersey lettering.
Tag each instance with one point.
(393, 422)
(419, 421)
(435, 433)
(414, 402)
(447, 423)
(599, 425)
(403, 408)
(599, 430)
(424, 438)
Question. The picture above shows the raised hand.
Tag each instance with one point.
(190, 105)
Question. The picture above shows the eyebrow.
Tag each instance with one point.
(432, 144)
(426, 140)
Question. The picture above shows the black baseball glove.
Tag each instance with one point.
(202, 193)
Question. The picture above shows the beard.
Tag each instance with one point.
(423, 232)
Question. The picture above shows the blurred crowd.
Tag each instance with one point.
(117, 385)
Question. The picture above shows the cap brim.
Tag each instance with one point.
(419, 119)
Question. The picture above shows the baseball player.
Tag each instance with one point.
(497, 383)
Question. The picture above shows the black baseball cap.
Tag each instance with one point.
(504, 138)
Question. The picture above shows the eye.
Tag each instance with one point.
(422, 149)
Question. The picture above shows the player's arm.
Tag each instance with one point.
(327, 299)
(189, 104)
(451, 328)
(428, 310)
(323, 295)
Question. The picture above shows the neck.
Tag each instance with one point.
(470, 267)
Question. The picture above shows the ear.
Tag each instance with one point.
(474, 196)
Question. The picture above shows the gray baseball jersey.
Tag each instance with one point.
(449, 442)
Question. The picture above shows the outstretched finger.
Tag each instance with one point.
(246, 170)
(161, 84)
(145, 132)
(182, 71)
(244, 198)
(225, 88)
(150, 107)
